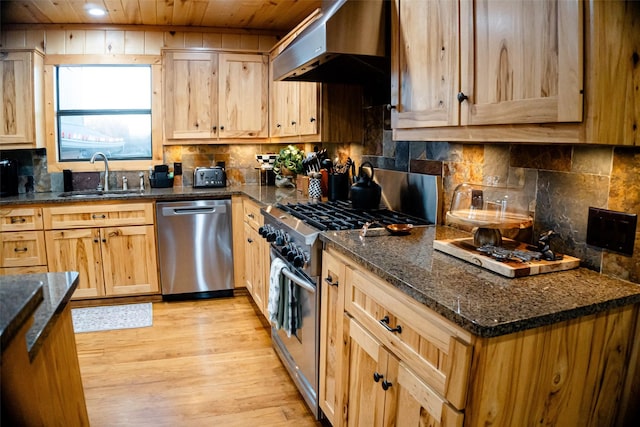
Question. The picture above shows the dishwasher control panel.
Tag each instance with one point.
(209, 177)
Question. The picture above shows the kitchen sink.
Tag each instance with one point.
(96, 193)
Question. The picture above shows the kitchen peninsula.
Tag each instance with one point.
(40, 372)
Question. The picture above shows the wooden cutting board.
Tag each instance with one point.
(464, 249)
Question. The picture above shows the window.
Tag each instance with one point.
(104, 108)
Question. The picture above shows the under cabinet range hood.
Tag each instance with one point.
(347, 43)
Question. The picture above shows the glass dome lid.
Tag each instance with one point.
(489, 207)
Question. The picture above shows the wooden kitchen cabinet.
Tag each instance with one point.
(562, 84)
(293, 109)
(256, 256)
(111, 245)
(21, 95)
(331, 336)
(211, 95)
(22, 245)
(509, 73)
(571, 373)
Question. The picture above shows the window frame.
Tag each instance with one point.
(53, 162)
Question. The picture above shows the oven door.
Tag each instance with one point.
(300, 351)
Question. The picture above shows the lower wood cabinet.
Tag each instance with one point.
(387, 360)
(256, 256)
(22, 247)
(112, 261)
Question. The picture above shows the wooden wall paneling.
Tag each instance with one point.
(54, 42)
(14, 40)
(174, 39)
(153, 42)
(134, 43)
(231, 41)
(114, 42)
(193, 40)
(74, 42)
(212, 40)
(95, 42)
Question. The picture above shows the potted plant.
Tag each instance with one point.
(289, 162)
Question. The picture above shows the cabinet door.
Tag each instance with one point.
(331, 348)
(190, 94)
(243, 97)
(308, 102)
(129, 260)
(521, 61)
(284, 108)
(16, 94)
(417, 404)
(367, 374)
(22, 249)
(425, 63)
(77, 250)
(252, 261)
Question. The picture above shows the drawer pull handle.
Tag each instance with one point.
(377, 377)
(251, 216)
(15, 220)
(94, 216)
(250, 240)
(330, 281)
(20, 249)
(386, 384)
(385, 322)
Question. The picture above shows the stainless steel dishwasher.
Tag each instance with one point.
(195, 248)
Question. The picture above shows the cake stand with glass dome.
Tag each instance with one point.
(488, 211)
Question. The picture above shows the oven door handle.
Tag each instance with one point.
(295, 279)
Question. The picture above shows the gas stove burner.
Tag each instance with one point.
(339, 215)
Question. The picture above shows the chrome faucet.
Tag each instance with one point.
(106, 168)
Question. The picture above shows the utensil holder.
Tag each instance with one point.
(338, 186)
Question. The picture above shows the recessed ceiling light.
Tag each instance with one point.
(96, 11)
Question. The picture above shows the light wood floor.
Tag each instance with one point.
(202, 363)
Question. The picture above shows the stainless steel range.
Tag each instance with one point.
(292, 230)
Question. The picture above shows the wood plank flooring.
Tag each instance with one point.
(202, 363)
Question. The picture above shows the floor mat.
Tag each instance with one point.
(104, 318)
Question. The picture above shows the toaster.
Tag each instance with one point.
(209, 177)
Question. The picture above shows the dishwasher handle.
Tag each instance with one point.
(193, 210)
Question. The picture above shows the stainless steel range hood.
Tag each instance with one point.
(346, 44)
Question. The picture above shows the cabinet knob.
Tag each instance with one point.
(104, 240)
(214, 128)
(196, 124)
(312, 119)
(462, 97)
(221, 128)
(377, 376)
(278, 125)
(293, 123)
(390, 107)
(250, 240)
(96, 241)
(386, 384)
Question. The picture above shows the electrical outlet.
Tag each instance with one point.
(611, 230)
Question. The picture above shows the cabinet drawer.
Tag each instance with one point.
(436, 349)
(22, 249)
(252, 215)
(20, 219)
(97, 215)
(24, 270)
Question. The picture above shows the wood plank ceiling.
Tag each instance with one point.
(272, 15)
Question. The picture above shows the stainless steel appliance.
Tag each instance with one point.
(293, 229)
(209, 177)
(195, 248)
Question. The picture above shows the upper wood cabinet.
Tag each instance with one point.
(539, 72)
(21, 94)
(210, 95)
(519, 62)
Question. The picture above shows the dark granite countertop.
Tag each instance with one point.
(262, 194)
(50, 293)
(480, 301)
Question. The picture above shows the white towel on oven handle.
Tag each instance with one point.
(273, 305)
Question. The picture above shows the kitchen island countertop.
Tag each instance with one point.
(42, 295)
(480, 301)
